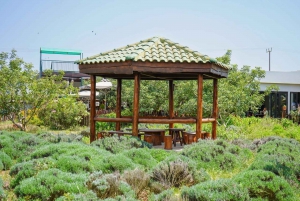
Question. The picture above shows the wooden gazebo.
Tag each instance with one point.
(153, 59)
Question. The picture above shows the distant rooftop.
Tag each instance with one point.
(281, 77)
(60, 51)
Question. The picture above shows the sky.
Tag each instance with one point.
(248, 28)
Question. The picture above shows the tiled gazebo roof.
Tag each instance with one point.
(155, 49)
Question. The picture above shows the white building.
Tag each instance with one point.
(288, 93)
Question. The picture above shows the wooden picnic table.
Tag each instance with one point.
(157, 135)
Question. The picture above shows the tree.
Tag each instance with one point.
(22, 93)
(237, 93)
(240, 92)
(63, 113)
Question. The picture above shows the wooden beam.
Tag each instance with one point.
(154, 120)
(105, 119)
(215, 109)
(167, 121)
(171, 102)
(119, 102)
(199, 106)
(136, 97)
(93, 109)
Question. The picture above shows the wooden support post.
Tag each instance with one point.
(171, 102)
(119, 102)
(215, 109)
(136, 98)
(199, 107)
(93, 109)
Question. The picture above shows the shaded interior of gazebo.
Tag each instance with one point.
(154, 59)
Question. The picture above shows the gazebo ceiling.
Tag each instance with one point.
(154, 58)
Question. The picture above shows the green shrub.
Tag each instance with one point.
(117, 145)
(87, 196)
(216, 154)
(141, 157)
(223, 189)
(280, 156)
(75, 148)
(118, 162)
(137, 179)
(61, 137)
(24, 170)
(16, 144)
(265, 185)
(63, 113)
(73, 164)
(5, 160)
(73, 157)
(50, 184)
(109, 186)
(242, 143)
(166, 195)
(173, 174)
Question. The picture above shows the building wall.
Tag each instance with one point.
(286, 81)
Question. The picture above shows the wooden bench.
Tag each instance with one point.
(191, 136)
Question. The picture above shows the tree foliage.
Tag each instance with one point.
(22, 93)
(63, 113)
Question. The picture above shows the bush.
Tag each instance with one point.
(16, 144)
(61, 137)
(117, 145)
(223, 189)
(265, 185)
(166, 195)
(259, 142)
(67, 157)
(88, 196)
(173, 174)
(106, 185)
(24, 170)
(71, 149)
(280, 156)
(73, 164)
(141, 157)
(199, 174)
(5, 160)
(118, 162)
(137, 179)
(63, 113)
(51, 184)
(216, 154)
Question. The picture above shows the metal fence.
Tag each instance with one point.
(57, 65)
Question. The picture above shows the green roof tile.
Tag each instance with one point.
(154, 49)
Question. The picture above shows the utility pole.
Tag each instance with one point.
(269, 50)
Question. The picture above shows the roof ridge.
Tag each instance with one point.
(117, 49)
(149, 40)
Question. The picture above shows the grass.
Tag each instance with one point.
(219, 174)
(8, 126)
